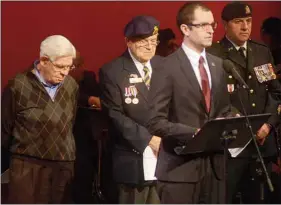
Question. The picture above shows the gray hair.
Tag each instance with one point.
(57, 46)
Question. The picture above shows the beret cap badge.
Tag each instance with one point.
(155, 30)
(247, 9)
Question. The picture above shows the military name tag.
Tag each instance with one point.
(135, 80)
(264, 73)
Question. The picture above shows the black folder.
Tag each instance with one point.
(211, 135)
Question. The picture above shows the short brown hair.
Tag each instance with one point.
(186, 13)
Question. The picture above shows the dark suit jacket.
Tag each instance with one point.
(258, 100)
(178, 109)
(126, 128)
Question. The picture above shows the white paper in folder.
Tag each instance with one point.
(236, 151)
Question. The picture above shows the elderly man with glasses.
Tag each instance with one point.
(38, 110)
(125, 84)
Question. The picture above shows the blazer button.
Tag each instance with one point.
(250, 77)
(253, 104)
(251, 91)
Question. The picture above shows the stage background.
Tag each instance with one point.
(95, 28)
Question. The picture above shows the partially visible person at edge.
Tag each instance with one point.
(88, 129)
(89, 88)
(38, 112)
(271, 36)
(167, 42)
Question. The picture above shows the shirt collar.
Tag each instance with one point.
(138, 64)
(192, 55)
(40, 77)
(236, 46)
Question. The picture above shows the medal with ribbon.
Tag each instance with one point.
(134, 92)
(264, 73)
(128, 94)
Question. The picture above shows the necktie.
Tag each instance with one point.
(205, 84)
(241, 52)
(146, 78)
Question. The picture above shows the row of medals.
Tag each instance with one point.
(129, 100)
(132, 90)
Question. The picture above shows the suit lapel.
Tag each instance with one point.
(131, 68)
(186, 68)
(250, 59)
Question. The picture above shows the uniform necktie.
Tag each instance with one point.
(146, 78)
(205, 83)
(241, 52)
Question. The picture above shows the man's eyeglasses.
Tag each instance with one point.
(145, 42)
(205, 26)
(62, 67)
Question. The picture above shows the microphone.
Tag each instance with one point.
(229, 67)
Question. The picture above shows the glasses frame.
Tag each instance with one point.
(204, 26)
(144, 43)
(62, 68)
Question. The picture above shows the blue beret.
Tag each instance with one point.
(141, 26)
(236, 10)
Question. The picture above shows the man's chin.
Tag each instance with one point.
(244, 38)
(207, 44)
(145, 59)
(56, 82)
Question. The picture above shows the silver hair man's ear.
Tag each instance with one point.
(57, 46)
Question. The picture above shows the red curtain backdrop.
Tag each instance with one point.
(95, 28)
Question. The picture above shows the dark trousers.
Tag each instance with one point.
(39, 181)
(84, 176)
(146, 194)
(243, 178)
(208, 189)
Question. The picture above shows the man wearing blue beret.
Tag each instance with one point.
(125, 84)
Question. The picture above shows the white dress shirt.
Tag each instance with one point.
(194, 60)
(149, 159)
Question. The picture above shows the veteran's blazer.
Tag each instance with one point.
(127, 116)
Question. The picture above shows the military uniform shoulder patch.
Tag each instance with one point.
(258, 43)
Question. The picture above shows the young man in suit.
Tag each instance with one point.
(125, 84)
(246, 56)
(187, 91)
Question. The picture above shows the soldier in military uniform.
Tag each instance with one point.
(246, 56)
(125, 83)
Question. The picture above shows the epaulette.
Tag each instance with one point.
(258, 43)
(216, 44)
